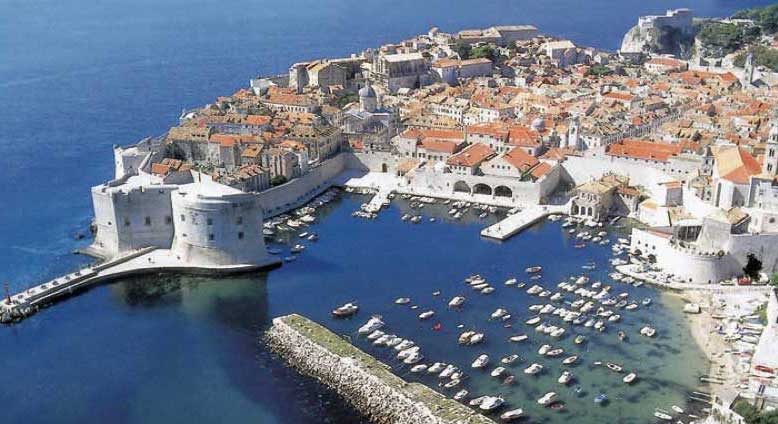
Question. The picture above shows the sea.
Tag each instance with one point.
(77, 78)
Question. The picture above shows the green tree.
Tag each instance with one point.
(484, 52)
(277, 180)
(462, 49)
(765, 17)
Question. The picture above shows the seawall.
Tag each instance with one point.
(363, 381)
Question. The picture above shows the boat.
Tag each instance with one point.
(646, 301)
(491, 403)
(436, 368)
(533, 320)
(297, 248)
(497, 372)
(677, 409)
(511, 415)
(510, 282)
(290, 258)
(346, 310)
(547, 399)
(476, 338)
(630, 378)
(631, 307)
(481, 361)
(405, 353)
(544, 349)
(456, 301)
(402, 301)
(375, 335)
(614, 367)
(648, 331)
(570, 360)
(622, 335)
(426, 315)
(518, 338)
(477, 401)
(464, 338)
(498, 313)
(461, 395)
(601, 398)
(487, 290)
(565, 378)
(313, 237)
(419, 368)
(558, 332)
(374, 323)
(413, 358)
(533, 269)
(453, 383)
(533, 369)
(555, 352)
(663, 416)
(507, 360)
(579, 339)
(534, 290)
(508, 380)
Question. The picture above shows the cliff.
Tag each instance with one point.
(658, 40)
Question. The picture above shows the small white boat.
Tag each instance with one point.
(565, 378)
(677, 409)
(547, 399)
(511, 282)
(518, 338)
(476, 338)
(614, 367)
(498, 313)
(533, 269)
(456, 301)
(436, 368)
(544, 349)
(511, 415)
(408, 352)
(460, 395)
(663, 416)
(480, 362)
(533, 369)
(570, 360)
(477, 401)
(507, 360)
(629, 378)
(533, 320)
(464, 338)
(487, 290)
(491, 403)
(426, 315)
(453, 383)
(402, 301)
(346, 310)
(419, 368)
(558, 333)
(648, 331)
(375, 335)
(497, 372)
(405, 344)
(374, 323)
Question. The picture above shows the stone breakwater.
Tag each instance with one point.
(363, 381)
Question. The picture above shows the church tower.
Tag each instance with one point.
(707, 162)
(770, 161)
(748, 69)
(573, 130)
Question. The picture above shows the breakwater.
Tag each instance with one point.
(363, 381)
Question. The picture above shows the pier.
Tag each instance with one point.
(363, 381)
(142, 261)
(515, 223)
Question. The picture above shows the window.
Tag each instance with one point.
(168, 220)
(126, 222)
(210, 237)
(240, 235)
(240, 220)
(209, 221)
(147, 221)
(183, 218)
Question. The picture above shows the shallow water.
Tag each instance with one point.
(167, 348)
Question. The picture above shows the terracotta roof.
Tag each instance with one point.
(541, 170)
(520, 159)
(644, 150)
(523, 136)
(736, 165)
(471, 156)
(438, 145)
(438, 134)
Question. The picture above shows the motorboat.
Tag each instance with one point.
(646, 301)
(547, 399)
(507, 360)
(544, 349)
(408, 352)
(477, 401)
(630, 378)
(532, 321)
(460, 395)
(565, 378)
(487, 290)
(677, 409)
(453, 383)
(402, 300)
(533, 369)
(511, 282)
(497, 372)
(346, 310)
(446, 373)
(570, 360)
(426, 315)
(375, 335)
(533, 269)
(601, 398)
(419, 368)
(614, 367)
(648, 331)
(464, 338)
(456, 302)
(518, 338)
(436, 368)
(491, 403)
(481, 361)
(558, 333)
(536, 289)
(498, 313)
(297, 248)
(476, 338)
(374, 323)
(663, 415)
(555, 352)
(511, 415)
(405, 344)
(579, 339)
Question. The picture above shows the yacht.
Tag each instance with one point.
(426, 315)
(491, 403)
(374, 323)
(565, 378)
(497, 372)
(511, 415)
(481, 361)
(533, 369)
(456, 301)
(547, 399)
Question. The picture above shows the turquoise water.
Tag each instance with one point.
(166, 348)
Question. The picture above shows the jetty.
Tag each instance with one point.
(15, 307)
(517, 222)
(365, 382)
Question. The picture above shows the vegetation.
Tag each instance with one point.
(774, 279)
(721, 39)
(765, 17)
(599, 71)
(754, 416)
(484, 52)
(462, 49)
(348, 98)
(763, 56)
(753, 267)
(277, 180)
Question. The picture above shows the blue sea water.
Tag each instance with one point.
(78, 77)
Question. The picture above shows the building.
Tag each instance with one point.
(401, 70)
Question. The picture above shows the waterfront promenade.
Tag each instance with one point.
(515, 223)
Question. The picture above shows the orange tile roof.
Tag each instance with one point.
(520, 159)
(439, 134)
(644, 150)
(471, 156)
(541, 170)
(523, 136)
(438, 145)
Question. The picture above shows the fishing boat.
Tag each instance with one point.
(491, 403)
(565, 378)
(507, 360)
(480, 362)
(630, 378)
(533, 269)
(346, 310)
(460, 395)
(511, 415)
(402, 300)
(497, 372)
(547, 399)
(570, 360)
(426, 315)
(533, 369)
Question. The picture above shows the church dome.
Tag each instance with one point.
(538, 124)
(367, 91)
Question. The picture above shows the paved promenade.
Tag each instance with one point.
(631, 270)
(519, 221)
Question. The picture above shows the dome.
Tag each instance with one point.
(538, 124)
(367, 91)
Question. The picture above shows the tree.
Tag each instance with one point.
(753, 416)
(462, 49)
(484, 52)
(277, 180)
(774, 279)
(765, 17)
(753, 266)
